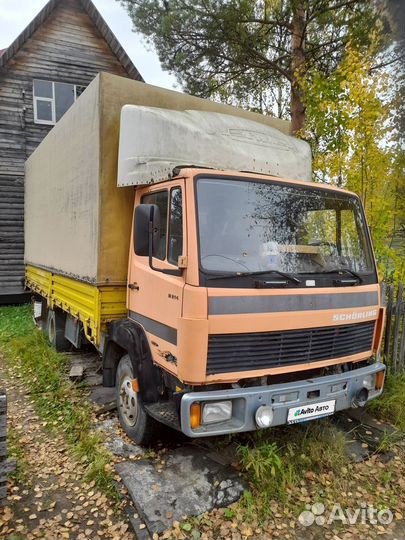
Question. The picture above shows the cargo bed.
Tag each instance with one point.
(93, 305)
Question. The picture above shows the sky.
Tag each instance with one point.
(15, 15)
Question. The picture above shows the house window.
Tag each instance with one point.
(53, 99)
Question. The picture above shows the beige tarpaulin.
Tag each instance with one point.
(153, 141)
(77, 222)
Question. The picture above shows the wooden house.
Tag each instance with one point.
(42, 73)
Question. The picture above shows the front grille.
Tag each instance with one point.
(260, 350)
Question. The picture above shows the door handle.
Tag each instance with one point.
(133, 286)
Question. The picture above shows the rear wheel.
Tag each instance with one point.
(134, 420)
(56, 330)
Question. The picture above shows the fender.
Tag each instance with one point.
(128, 337)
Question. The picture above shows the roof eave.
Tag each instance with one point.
(98, 21)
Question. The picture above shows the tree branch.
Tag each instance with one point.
(388, 63)
(335, 7)
(273, 23)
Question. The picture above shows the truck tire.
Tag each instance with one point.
(56, 330)
(43, 321)
(134, 420)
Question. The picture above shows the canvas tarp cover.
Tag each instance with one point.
(77, 221)
(153, 141)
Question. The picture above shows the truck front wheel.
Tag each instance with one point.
(134, 420)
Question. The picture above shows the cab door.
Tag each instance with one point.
(155, 299)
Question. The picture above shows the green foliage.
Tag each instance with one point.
(229, 513)
(187, 526)
(275, 460)
(261, 461)
(357, 146)
(57, 402)
(248, 505)
(390, 406)
(241, 51)
(388, 440)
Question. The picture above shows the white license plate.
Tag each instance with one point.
(37, 310)
(311, 411)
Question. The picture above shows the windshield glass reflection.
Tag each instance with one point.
(252, 226)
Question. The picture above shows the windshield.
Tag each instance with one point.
(249, 226)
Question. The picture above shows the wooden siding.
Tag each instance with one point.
(394, 335)
(68, 46)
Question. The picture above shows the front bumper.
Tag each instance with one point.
(342, 388)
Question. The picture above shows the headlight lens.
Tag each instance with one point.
(264, 416)
(217, 411)
(369, 381)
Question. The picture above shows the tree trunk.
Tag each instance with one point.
(297, 66)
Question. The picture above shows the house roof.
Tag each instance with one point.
(99, 22)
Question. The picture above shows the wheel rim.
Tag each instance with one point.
(128, 402)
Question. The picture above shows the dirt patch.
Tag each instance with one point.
(50, 499)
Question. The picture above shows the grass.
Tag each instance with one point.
(277, 460)
(390, 406)
(58, 403)
(15, 450)
(388, 441)
(262, 461)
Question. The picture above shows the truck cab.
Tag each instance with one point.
(253, 301)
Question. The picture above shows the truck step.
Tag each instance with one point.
(165, 412)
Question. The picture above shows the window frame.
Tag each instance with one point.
(52, 100)
(155, 192)
(169, 191)
(179, 187)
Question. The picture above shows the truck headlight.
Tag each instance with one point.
(369, 382)
(216, 411)
(264, 416)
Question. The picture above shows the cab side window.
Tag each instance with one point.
(160, 198)
(175, 244)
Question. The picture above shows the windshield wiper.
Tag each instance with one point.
(337, 271)
(252, 274)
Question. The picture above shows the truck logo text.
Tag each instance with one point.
(354, 316)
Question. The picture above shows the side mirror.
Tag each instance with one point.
(146, 221)
(147, 235)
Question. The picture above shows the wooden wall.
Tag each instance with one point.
(394, 335)
(66, 47)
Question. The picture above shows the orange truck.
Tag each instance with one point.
(184, 239)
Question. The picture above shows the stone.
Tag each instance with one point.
(76, 372)
(189, 483)
(101, 395)
(115, 443)
(120, 448)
